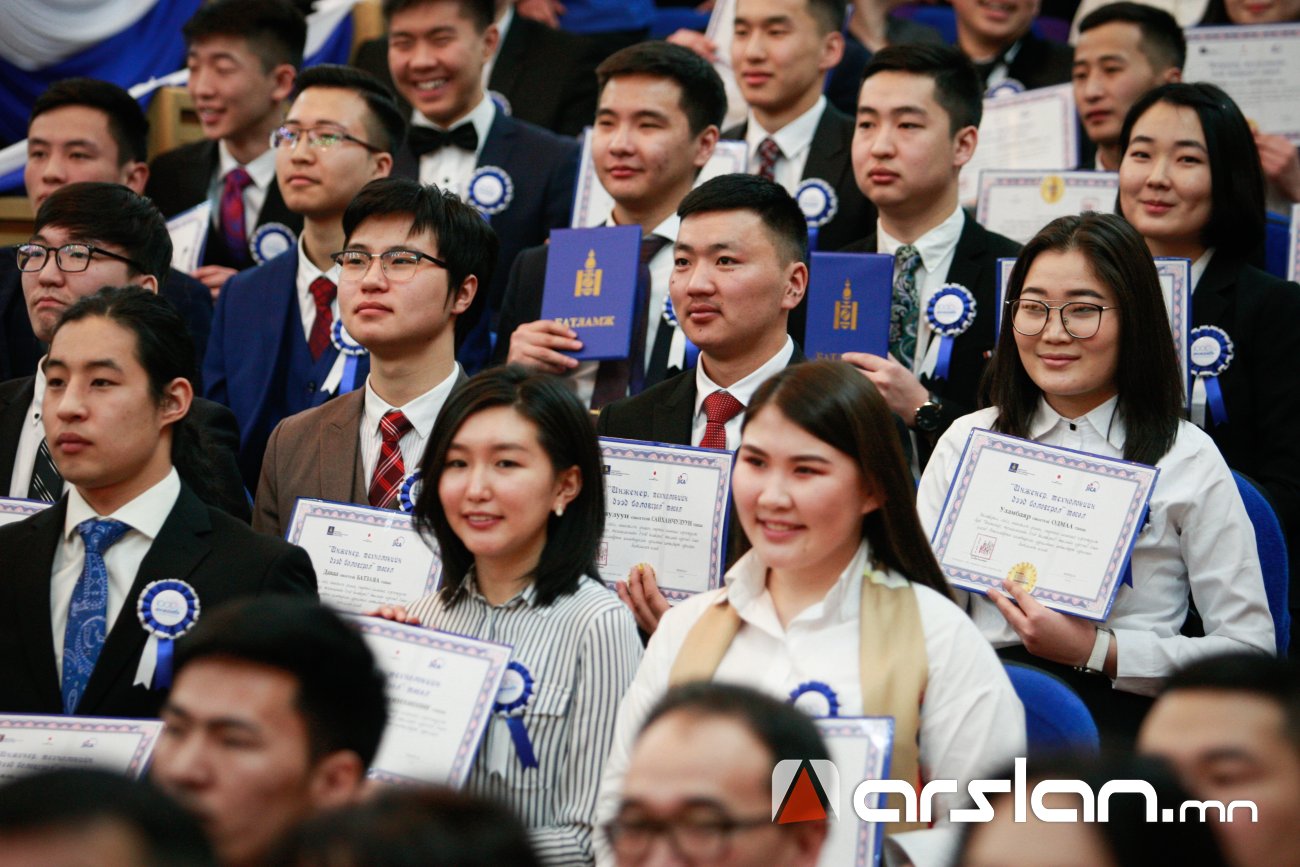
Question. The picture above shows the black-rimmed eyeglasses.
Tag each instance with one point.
(1081, 319)
(398, 265)
(71, 258)
(700, 840)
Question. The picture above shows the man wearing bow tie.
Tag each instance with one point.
(519, 175)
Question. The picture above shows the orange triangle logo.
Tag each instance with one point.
(805, 801)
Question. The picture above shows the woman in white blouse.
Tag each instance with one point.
(839, 606)
(1086, 360)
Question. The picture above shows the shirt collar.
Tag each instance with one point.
(1103, 419)
(421, 412)
(743, 389)
(1199, 266)
(933, 245)
(307, 269)
(746, 584)
(667, 229)
(145, 514)
(38, 392)
(261, 168)
(523, 598)
(793, 138)
(480, 115)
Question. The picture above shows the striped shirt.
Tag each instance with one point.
(582, 652)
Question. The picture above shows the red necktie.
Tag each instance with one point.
(232, 213)
(719, 408)
(324, 291)
(768, 151)
(390, 470)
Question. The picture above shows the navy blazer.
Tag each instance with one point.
(220, 557)
(258, 363)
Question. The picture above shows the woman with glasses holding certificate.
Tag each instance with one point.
(839, 607)
(513, 493)
(1086, 360)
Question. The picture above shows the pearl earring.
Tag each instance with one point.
(559, 510)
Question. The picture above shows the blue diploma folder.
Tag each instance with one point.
(849, 296)
(591, 287)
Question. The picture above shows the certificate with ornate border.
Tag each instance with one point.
(668, 506)
(1257, 65)
(441, 687)
(31, 743)
(1036, 129)
(1017, 203)
(15, 509)
(364, 557)
(189, 234)
(861, 748)
(1059, 522)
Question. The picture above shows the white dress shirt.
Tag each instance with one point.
(307, 274)
(29, 439)
(742, 390)
(794, 139)
(421, 412)
(1197, 535)
(261, 169)
(1198, 268)
(972, 723)
(937, 248)
(145, 516)
(450, 168)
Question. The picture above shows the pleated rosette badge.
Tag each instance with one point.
(514, 694)
(819, 203)
(352, 353)
(270, 240)
(167, 610)
(816, 699)
(1211, 352)
(490, 189)
(950, 312)
(409, 492)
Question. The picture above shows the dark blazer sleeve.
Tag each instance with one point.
(179, 178)
(193, 302)
(522, 301)
(222, 478)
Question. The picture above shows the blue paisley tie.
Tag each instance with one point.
(88, 613)
(903, 315)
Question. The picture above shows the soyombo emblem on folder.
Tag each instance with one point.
(846, 310)
(587, 283)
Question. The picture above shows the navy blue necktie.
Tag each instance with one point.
(83, 637)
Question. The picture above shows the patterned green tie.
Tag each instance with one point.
(903, 315)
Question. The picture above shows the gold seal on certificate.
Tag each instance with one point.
(1052, 189)
(1023, 574)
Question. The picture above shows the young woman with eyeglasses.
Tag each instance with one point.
(1086, 360)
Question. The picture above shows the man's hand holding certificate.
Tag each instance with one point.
(1057, 522)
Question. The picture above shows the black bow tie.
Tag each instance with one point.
(427, 140)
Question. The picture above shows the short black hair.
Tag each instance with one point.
(566, 435)
(703, 95)
(275, 30)
(481, 12)
(780, 213)
(786, 731)
(112, 214)
(465, 240)
(957, 86)
(1267, 677)
(406, 827)
(1237, 212)
(385, 126)
(126, 121)
(340, 689)
(829, 14)
(1161, 39)
(67, 799)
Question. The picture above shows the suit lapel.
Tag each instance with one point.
(673, 418)
(496, 147)
(967, 257)
(340, 447)
(31, 594)
(826, 153)
(13, 413)
(1212, 298)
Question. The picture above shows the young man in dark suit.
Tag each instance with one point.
(242, 56)
(274, 350)
(432, 251)
(918, 123)
(89, 235)
(999, 40)
(521, 176)
(77, 603)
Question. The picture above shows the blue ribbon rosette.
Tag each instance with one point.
(816, 699)
(167, 610)
(950, 312)
(270, 240)
(351, 352)
(819, 203)
(689, 351)
(1211, 352)
(516, 690)
(490, 189)
(407, 496)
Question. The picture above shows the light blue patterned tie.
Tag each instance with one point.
(88, 613)
(903, 315)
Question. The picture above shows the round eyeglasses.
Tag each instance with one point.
(318, 138)
(72, 258)
(398, 265)
(1081, 319)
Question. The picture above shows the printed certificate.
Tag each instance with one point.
(1036, 129)
(30, 744)
(364, 557)
(860, 748)
(1257, 65)
(1059, 522)
(441, 688)
(189, 231)
(667, 506)
(13, 509)
(1019, 203)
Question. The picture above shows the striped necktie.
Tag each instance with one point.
(47, 481)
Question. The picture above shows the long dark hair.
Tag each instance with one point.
(1148, 376)
(834, 402)
(166, 352)
(566, 435)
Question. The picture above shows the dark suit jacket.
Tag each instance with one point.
(179, 180)
(562, 100)
(221, 558)
(975, 266)
(543, 168)
(1041, 62)
(220, 433)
